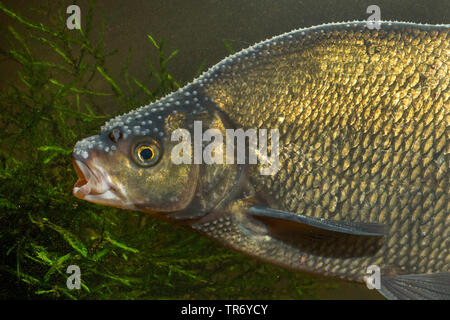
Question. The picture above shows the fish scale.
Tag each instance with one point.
(363, 117)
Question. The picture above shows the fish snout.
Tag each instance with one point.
(92, 184)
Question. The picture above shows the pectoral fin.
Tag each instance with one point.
(352, 228)
(416, 286)
(289, 239)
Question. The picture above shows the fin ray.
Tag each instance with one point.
(353, 228)
(417, 286)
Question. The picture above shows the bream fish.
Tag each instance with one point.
(362, 152)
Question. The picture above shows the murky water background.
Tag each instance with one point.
(199, 28)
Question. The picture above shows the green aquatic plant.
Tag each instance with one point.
(49, 104)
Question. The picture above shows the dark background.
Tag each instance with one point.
(198, 28)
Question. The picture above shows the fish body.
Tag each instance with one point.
(363, 151)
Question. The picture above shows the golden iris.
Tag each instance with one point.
(146, 154)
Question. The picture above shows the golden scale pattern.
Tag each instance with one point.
(363, 117)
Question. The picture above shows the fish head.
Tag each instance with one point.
(130, 164)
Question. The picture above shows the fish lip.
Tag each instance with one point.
(81, 187)
(92, 185)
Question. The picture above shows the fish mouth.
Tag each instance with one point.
(93, 185)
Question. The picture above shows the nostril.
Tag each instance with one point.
(115, 135)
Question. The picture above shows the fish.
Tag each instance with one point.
(360, 183)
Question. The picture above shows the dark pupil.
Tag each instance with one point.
(146, 154)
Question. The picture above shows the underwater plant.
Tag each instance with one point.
(51, 102)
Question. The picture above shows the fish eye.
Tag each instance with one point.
(146, 154)
(115, 135)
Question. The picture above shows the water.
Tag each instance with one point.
(199, 28)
